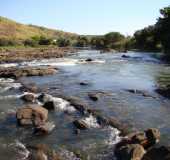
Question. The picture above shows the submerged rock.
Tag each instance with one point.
(32, 115)
(94, 96)
(30, 87)
(125, 56)
(80, 124)
(44, 129)
(89, 60)
(84, 83)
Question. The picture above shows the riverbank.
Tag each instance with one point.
(21, 54)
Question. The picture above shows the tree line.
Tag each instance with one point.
(152, 38)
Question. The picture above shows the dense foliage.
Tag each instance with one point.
(156, 37)
(163, 29)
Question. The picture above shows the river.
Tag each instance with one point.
(108, 73)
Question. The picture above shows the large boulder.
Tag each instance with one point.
(130, 152)
(49, 105)
(160, 153)
(32, 115)
(94, 96)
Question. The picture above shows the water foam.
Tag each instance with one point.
(6, 65)
(21, 150)
(51, 62)
(91, 122)
(60, 104)
(7, 84)
(113, 137)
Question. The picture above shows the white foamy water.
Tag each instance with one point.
(67, 155)
(6, 65)
(21, 150)
(10, 97)
(113, 136)
(51, 62)
(91, 122)
(7, 84)
(60, 104)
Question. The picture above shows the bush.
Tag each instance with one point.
(30, 42)
(62, 42)
(44, 41)
(7, 42)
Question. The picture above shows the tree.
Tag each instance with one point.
(82, 41)
(163, 29)
(147, 39)
(44, 41)
(62, 42)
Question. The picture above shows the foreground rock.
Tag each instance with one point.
(161, 153)
(32, 115)
(132, 147)
(14, 72)
(130, 152)
(94, 96)
(42, 152)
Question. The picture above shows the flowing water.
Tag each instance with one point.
(110, 74)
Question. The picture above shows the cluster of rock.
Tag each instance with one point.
(14, 72)
(27, 54)
(134, 146)
(140, 146)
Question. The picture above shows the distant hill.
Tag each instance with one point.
(12, 30)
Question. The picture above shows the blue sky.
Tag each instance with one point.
(85, 16)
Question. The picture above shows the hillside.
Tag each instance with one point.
(12, 30)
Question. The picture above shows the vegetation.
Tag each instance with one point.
(112, 40)
(156, 37)
(163, 30)
(151, 38)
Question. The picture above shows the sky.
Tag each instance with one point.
(90, 17)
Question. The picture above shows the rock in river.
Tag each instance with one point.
(80, 124)
(29, 97)
(44, 129)
(32, 115)
(130, 152)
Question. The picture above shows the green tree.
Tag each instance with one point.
(82, 41)
(163, 29)
(62, 42)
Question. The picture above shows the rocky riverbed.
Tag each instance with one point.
(86, 106)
